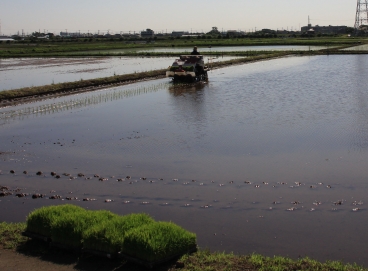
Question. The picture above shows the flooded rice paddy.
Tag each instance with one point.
(26, 72)
(214, 49)
(269, 157)
(363, 47)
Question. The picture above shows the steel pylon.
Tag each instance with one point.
(361, 17)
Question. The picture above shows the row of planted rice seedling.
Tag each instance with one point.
(136, 235)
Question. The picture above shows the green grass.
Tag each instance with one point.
(40, 220)
(157, 241)
(205, 260)
(50, 48)
(202, 260)
(11, 234)
(67, 229)
(108, 235)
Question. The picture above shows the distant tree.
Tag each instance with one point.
(350, 30)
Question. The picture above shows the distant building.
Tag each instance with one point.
(325, 29)
(149, 33)
(179, 33)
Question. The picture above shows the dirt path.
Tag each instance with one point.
(13, 261)
(57, 260)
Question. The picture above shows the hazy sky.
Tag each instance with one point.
(169, 15)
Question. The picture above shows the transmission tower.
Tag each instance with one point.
(361, 17)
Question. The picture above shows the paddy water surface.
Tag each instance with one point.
(269, 157)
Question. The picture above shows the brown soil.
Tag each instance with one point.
(58, 260)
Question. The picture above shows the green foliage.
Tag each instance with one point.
(157, 241)
(108, 235)
(40, 220)
(68, 228)
(216, 261)
(10, 234)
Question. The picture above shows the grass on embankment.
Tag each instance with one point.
(53, 48)
(70, 87)
(11, 238)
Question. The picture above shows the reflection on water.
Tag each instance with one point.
(267, 157)
(363, 47)
(76, 101)
(27, 72)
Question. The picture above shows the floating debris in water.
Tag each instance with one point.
(103, 179)
(88, 199)
(5, 193)
(339, 202)
(21, 195)
(37, 196)
(55, 197)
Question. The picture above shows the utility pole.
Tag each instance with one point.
(361, 17)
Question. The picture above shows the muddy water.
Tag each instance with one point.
(26, 72)
(218, 49)
(363, 47)
(269, 157)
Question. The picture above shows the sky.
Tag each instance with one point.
(114, 16)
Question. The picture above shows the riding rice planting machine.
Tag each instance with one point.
(188, 68)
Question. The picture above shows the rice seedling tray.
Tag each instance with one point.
(100, 253)
(75, 250)
(151, 264)
(36, 236)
